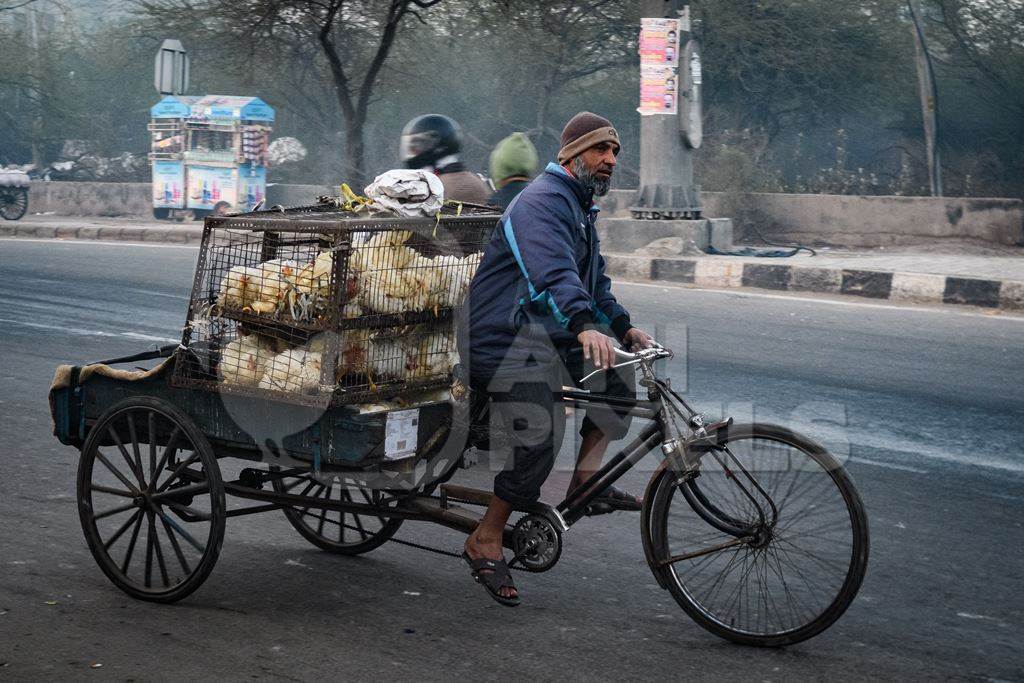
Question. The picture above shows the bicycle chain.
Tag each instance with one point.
(430, 549)
(439, 551)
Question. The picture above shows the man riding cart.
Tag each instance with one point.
(540, 309)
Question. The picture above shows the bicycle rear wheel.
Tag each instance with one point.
(344, 533)
(770, 559)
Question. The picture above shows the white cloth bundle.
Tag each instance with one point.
(407, 192)
(10, 177)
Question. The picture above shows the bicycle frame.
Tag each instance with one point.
(573, 507)
(658, 409)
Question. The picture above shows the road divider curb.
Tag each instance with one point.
(719, 272)
(175, 235)
(707, 271)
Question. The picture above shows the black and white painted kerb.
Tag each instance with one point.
(873, 284)
(705, 271)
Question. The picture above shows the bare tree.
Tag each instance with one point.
(987, 40)
(559, 43)
(16, 5)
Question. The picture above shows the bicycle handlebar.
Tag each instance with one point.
(655, 352)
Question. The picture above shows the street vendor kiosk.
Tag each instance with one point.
(209, 153)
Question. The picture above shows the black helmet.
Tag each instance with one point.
(428, 138)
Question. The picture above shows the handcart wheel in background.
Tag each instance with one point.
(765, 581)
(151, 499)
(339, 532)
(13, 202)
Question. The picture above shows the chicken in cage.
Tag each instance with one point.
(316, 306)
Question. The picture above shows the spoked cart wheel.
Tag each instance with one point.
(767, 545)
(13, 202)
(339, 532)
(151, 500)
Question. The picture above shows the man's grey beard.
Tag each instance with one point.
(589, 179)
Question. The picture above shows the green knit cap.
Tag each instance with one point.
(515, 155)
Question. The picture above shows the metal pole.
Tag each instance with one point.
(929, 98)
(667, 188)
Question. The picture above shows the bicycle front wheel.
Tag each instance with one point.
(767, 545)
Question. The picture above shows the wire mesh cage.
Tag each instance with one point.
(317, 306)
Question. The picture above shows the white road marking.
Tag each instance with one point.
(848, 436)
(137, 290)
(89, 333)
(887, 465)
(981, 617)
(948, 310)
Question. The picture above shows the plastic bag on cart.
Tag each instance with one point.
(12, 177)
(407, 192)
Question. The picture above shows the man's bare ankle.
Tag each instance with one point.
(485, 541)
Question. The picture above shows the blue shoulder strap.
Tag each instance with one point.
(535, 296)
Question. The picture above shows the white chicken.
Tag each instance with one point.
(392, 291)
(240, 287)
(242, 361)
(314, 278)
(382, 250)
(351, 310)
(352, 345)
(388, 281)
(445, 280)
(276, 278)
(386, 358)
(430, 355)
(294, 370)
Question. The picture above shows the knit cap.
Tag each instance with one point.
(582, 132)
(513, 156)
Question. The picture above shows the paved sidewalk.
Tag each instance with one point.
(974, 275)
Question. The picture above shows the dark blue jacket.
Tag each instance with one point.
(541, 280)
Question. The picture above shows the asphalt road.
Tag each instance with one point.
(925, 404)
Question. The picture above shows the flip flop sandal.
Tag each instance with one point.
(611, 500)
(493, 575)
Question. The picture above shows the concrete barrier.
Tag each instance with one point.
(133, 199)
(837, 220)
(853, 220)
(91, 199)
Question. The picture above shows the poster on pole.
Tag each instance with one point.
(659, 41)
(659, 90)
(659, 63)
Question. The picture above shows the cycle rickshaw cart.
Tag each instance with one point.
(318, 347)
(13, 194)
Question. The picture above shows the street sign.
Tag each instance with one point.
(170, 72)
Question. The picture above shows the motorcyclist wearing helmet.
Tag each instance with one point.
(433, 142)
